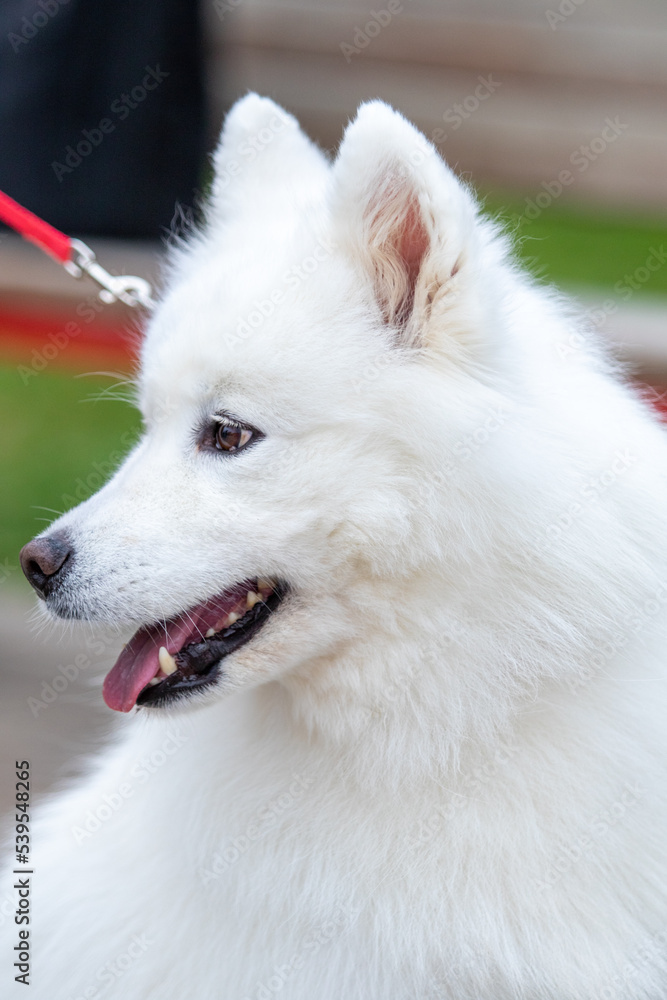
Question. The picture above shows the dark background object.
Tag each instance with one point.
(102, 111)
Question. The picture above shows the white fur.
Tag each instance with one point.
(468, 680)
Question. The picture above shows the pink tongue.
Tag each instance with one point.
(138, 663)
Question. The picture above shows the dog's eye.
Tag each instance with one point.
(224, 432)
(229, 437)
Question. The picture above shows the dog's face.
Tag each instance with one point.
(289, 381)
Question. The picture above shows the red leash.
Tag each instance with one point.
(76, 257)
(34, 229)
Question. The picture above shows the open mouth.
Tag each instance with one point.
(169, 660)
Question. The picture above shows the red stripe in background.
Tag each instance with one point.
(40, 340)
(656, 396)
(22, 335)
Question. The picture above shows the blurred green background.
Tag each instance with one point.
(54, 431)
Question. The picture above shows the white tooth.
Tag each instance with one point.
(232, 617)
(167, 661)
(156, 680)
(252, 598)
(210, 632)
(264, 584)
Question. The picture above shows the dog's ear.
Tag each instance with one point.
(401, 215)
(264, 157)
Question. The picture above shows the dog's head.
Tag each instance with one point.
(302, 380)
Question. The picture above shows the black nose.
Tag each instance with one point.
(43, 559)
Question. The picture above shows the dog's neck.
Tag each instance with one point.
(439, 694)
(400, 701)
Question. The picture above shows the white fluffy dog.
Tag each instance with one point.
(395, 544)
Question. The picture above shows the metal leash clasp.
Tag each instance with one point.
(127, 288)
